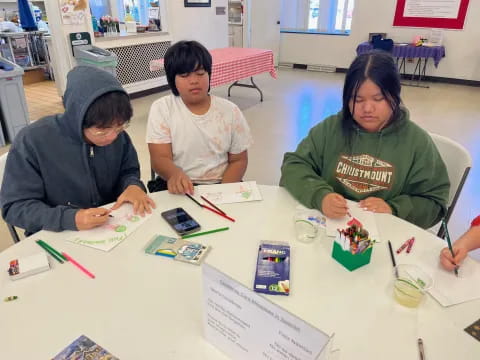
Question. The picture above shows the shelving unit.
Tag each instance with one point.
(27, 49)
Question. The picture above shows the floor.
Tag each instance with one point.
(298, 99)
(42, 99)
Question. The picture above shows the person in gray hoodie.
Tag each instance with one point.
(61, 169)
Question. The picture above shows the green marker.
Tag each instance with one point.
(53, 250)
(205, 233)
(55, 254)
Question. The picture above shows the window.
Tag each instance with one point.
(100, 8)
(317, 16)
(137, 9)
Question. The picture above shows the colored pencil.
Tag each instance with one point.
(421, 350)
(205, 233)
(53, 249)
(218, 213)
(193, 199)
(213, 205)
(449, 242)
(69, 258)
(393, 258)
(55, 256)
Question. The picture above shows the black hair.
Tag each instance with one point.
(185, 57)
(379, 67)
(110, 109)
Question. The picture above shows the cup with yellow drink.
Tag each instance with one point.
(410, 285)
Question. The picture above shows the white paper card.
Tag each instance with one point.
(230, 193)
(449, 289)
(245, 325)
(443, 9)
(118, 227)
(367, 218)
(31, 265)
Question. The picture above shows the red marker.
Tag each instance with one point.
(410, 244)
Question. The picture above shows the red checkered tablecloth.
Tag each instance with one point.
(232, 64)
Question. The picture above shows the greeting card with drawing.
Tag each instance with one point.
(118, 227)
(230, 193)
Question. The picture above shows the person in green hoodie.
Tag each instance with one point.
(370, 152)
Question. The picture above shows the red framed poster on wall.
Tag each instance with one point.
(445, 14)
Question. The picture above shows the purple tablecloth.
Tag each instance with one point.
(409, 51)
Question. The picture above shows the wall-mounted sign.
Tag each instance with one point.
(445, 14)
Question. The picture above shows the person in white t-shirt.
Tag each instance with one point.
(194, 137)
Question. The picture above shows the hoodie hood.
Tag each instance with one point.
(403, 117)
(84, 85)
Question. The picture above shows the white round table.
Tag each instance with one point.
(141, 306)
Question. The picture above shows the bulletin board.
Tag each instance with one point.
(444, 14)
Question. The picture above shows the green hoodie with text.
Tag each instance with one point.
(399, 164)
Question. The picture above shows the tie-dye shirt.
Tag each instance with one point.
(200, 143)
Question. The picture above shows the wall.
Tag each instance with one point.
(60, 48)
(462, 50)
(197, 23)
(200, 24)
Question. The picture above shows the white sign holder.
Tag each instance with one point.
(246, 325)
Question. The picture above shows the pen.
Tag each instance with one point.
(421, 351)
(69, 258)
(212, 205)
(205, 233)
(449, 242)
(393, 258)
(218, 213)
(48, 250)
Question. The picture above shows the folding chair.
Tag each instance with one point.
(458, 161)
(11, 228)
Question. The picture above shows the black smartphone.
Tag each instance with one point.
(180, 221)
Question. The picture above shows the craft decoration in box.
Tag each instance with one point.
(353, 247)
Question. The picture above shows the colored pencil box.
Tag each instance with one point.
(273, 269)
(178, 249)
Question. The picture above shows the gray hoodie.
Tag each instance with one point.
(52, 171)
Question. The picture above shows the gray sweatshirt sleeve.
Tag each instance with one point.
(22, 195)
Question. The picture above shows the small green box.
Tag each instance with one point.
(349, 260)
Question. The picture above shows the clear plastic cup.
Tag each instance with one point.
(306, 225)
(410, 285)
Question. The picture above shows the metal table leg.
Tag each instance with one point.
(252, 86)
(418, 75)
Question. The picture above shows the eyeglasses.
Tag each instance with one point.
(109, 131)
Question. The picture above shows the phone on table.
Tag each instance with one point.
(180, 221)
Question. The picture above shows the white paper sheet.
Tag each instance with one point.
(106, 237)
(443, 9)
(367, 218)
(451, 290)
(230, 193)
